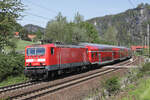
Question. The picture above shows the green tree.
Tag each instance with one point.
(110, 35)
(55, 29)
(90, 32)
(39, 34)
(77, 33)
(78, 18)
(9, 12)
(22, 31)
(71, 32)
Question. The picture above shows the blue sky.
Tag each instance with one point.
(39, 12)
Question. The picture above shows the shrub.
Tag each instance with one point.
(112, 85)
(11, 65)
(145, 67)
(139, 75)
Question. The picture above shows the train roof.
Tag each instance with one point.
(69, 46)
(80, 45)
(101, 45)
(40, 45)
(55, 45)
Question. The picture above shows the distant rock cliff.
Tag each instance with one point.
(126, 28)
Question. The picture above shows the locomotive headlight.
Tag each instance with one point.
(28, 64)
(29, 60)
(41, 60)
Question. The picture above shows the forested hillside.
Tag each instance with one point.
(126, 28)
(33, 28)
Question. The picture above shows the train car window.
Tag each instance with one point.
(52, 51)
(87, 51)
(92, 55)
(96, 53)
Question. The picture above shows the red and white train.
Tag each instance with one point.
(44, 60)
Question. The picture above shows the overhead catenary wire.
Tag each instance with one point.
(35, 21)
(43, 7)
(45, 19)
(131, 3)
(39, 16)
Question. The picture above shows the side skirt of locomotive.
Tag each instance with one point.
(35, 72)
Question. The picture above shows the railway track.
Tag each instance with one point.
(17, 86)
(51, 88)
(125, 63)
(25, 84)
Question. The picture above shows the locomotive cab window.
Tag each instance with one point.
(52, 51)
(40, 51)
(35, 51)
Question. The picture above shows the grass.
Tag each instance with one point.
(13, 80)
(21, 44)
(140, 92)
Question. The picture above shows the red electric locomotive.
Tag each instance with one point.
(44, 60)
(40, 60)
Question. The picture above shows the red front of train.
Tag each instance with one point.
(41, 59)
